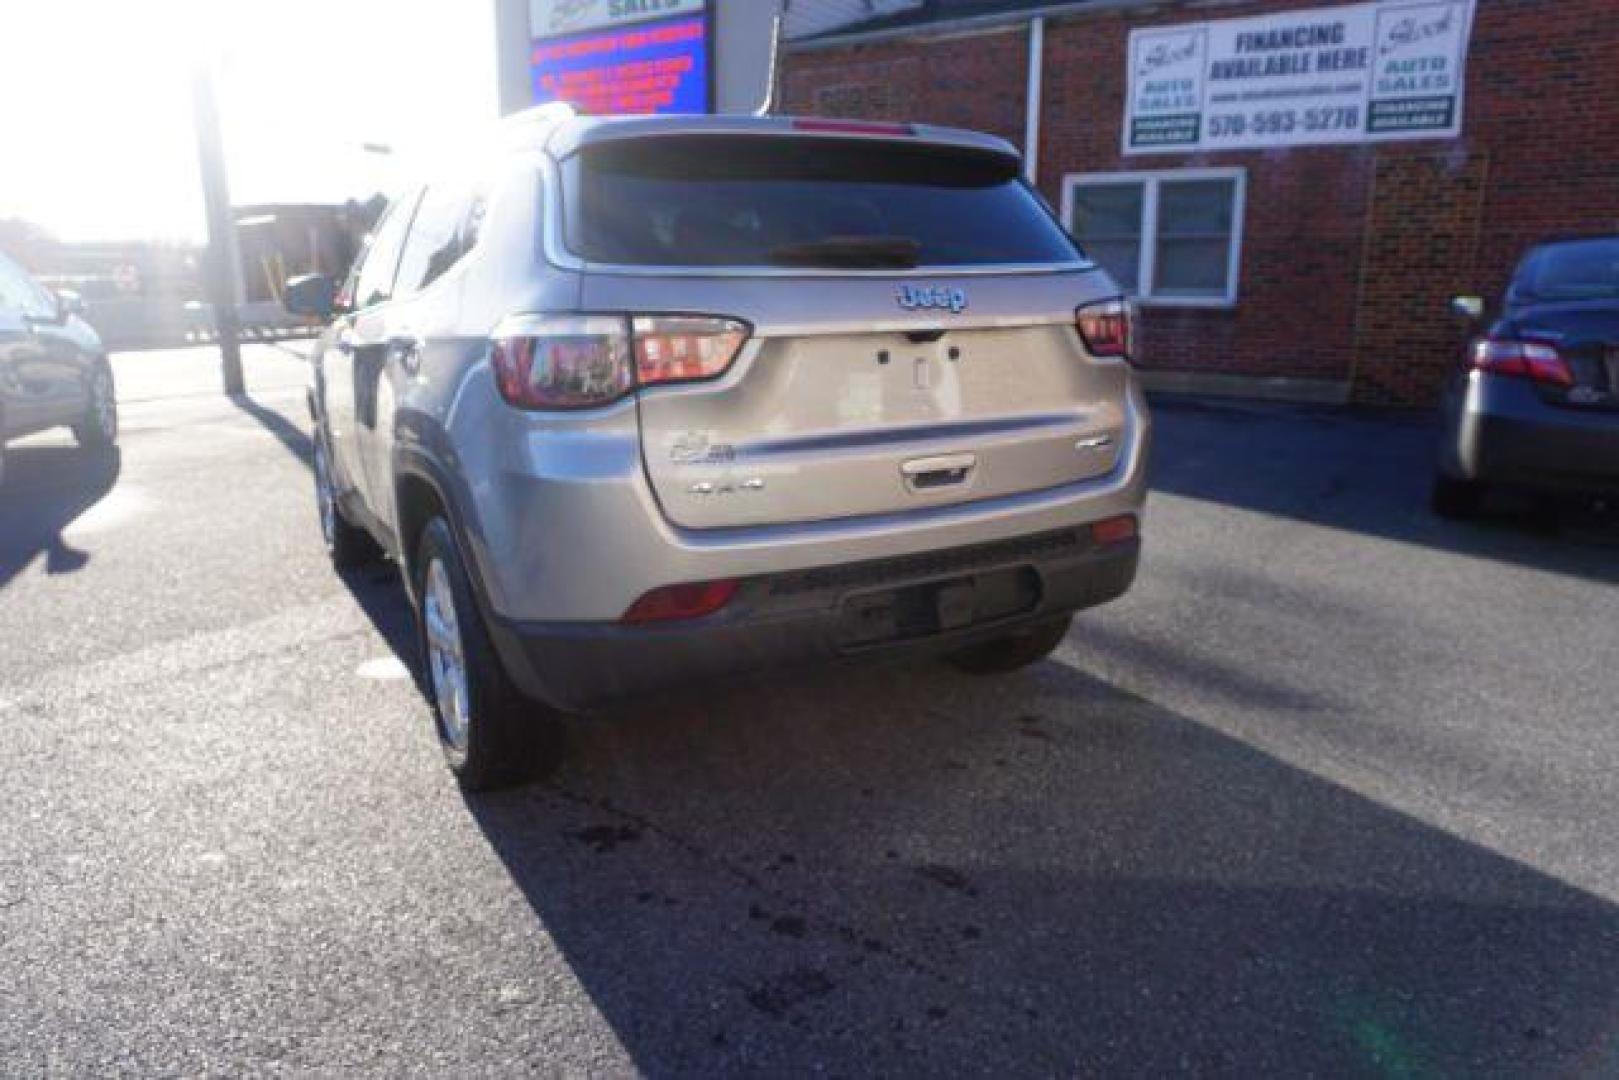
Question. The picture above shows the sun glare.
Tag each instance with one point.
(108, 87)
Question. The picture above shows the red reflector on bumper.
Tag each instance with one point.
(1114, 530)
(675, 602)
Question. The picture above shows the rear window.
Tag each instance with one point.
(795, 202)
(1577, 270)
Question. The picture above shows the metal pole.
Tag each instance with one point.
(224, 261)
(1036, 87)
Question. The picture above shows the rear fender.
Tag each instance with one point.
(418, 458)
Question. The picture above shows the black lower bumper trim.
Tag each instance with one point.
(785, 621)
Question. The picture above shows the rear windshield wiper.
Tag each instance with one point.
(844, 252)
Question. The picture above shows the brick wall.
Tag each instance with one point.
(1349, 252)
(978, 82)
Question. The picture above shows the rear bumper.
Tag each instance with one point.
(1507, 436)
(561, 524)
(804, 617)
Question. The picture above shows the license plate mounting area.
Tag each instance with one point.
(910, 612)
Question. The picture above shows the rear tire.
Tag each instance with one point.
(1456, 500)
(1013, 652)
(492, 736)
(348, 545)
(98, 428)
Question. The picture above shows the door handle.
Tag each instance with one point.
(406, 348)
(946, 470)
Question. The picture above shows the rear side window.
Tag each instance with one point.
(793, 202)
(1577, 270)
(445, 228)
(374, 280)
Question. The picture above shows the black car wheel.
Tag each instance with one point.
(1012, 652)
(492, 736)
(348, 544)
(97, 429)
(1457, 500)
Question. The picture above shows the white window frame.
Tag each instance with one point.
(1147, 264)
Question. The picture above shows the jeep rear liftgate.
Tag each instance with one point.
(911, 325)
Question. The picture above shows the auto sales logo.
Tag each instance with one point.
(1431, 24)
(932, 298)
(1156, 55)
(548, 18)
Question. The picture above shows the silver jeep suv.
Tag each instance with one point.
(643, 401)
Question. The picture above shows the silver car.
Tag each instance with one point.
(636, 402)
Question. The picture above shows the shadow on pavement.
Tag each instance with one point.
(866, 875)
(46, 489)
(1359, 472)
(377, 589)
(289, 434)
(380, 593)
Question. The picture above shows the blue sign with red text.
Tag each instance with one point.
(656, 67)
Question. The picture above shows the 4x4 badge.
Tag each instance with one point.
(932, 298)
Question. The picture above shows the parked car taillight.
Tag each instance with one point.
(682, 348)
(1525, 359)
(587, 361)
(1108, 328)
(562, 362)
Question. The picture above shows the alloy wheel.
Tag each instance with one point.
(324, 497)
(446, 657)
(105, 405)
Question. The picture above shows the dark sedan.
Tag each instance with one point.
(1535, 406)
(53, 369)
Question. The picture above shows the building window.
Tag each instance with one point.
(1172, 237)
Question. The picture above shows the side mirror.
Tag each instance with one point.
(310, 295)
(1468, 308)
(69, 304)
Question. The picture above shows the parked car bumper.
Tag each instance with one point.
(1507, 436)
(889, 607)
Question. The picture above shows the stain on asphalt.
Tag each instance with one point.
(949, 877)
(971, 933)
(780, 995)
(1029, 727)
(604, 839)
(789, 926)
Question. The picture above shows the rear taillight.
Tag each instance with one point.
(562, 362)
(675, 602)
(1108, 328)
(1534, 360)
(681, 348)
(559, 362)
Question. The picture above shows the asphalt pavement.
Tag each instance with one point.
(1331, 792)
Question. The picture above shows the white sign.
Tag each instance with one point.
(555, 18)
(1359, 73)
